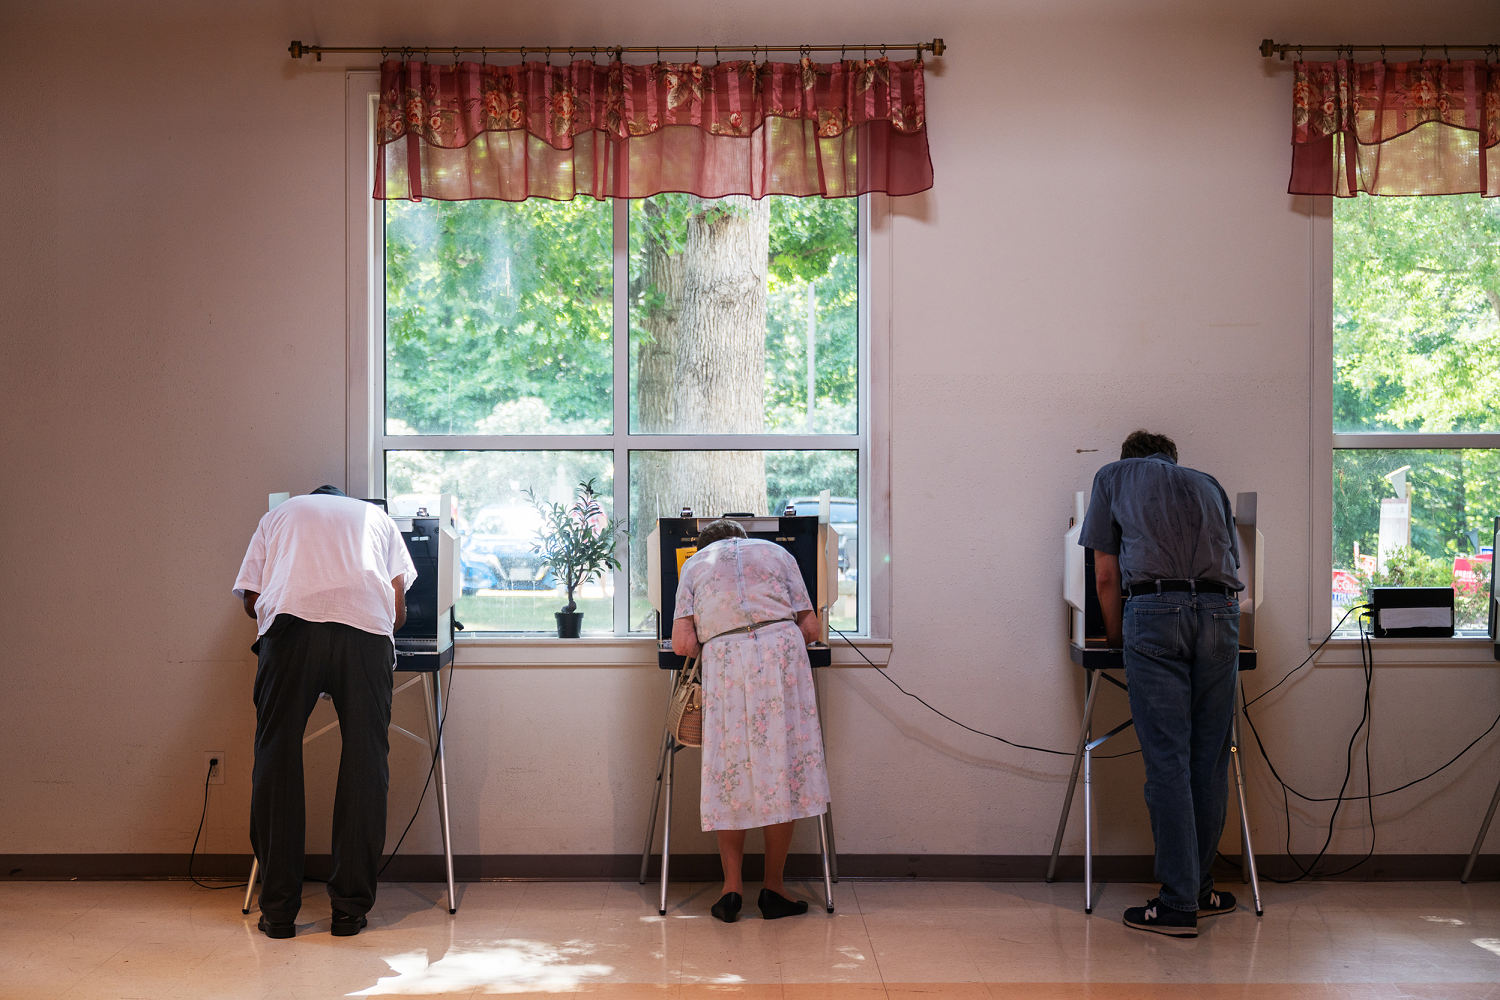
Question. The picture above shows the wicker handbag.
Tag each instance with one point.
(685, 714)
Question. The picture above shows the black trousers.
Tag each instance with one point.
(297, 661)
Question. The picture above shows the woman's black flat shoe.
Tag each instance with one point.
(773, 905)
(727, 908)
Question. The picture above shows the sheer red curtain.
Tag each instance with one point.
(1413, 128)
(617, 130)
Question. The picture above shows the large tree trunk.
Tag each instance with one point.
(704, 370)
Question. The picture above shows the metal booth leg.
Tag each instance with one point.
(825, 832)
(1248, 856)
(250, 885)
(1083, 737)
(661, 770)
(666, 827)
(433, 698)
(1484, 828)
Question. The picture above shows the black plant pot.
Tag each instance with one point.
(569, 623)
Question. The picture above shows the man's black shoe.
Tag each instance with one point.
(346, 925)
(1162, 919)
(275, 928)
(1215, 902)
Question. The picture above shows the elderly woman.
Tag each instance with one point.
(743, 609)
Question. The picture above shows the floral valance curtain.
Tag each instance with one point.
(617, 130)
(1414, 128)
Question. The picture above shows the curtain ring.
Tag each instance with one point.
(523, 55)
(882, 51)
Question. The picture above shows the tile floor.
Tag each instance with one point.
(973, 941)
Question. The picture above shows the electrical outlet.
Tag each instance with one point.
(213, 766)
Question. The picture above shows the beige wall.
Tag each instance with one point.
(1108, 245)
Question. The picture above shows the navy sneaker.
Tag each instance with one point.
(1214, 902)
(1160, 919)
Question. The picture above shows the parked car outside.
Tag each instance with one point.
(843, 517)
(507, 533)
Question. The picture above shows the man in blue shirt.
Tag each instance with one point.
(1165, 567)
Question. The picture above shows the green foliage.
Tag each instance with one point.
(493, 303)
(1416, 314)
(1416, 348)
(577, 541)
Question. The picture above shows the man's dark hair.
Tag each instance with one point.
(1144, 444)
(719, 530)
(329, 491)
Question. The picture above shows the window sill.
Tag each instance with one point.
(533, 651)
(1458, 651)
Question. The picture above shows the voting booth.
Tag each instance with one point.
(814, 544)
(1089, 649)
(424, 646)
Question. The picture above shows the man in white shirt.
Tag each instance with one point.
(325, 578)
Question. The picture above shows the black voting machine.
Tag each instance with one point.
(676, 538)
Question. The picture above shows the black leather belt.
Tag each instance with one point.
(1191, 586)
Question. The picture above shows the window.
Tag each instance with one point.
(1415, 398)
(676, 351)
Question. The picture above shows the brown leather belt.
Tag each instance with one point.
(746, 628)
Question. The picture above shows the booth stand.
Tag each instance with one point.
(815, 546)
(424, 646)
(1089, 649)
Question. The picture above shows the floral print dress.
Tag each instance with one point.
(762, 745)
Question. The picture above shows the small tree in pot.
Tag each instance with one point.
(578, 544)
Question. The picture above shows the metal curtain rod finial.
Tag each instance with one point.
(937, 47)
(1268, 48)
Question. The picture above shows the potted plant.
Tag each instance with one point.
(578, 543)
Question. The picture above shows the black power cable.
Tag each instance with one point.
(192, 854)
(978, 732)
(431, 768)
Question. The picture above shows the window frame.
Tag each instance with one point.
(366, 441)
(1344, 650)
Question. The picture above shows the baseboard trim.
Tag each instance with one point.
(705, 867)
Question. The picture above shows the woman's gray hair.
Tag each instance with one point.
(719, 530)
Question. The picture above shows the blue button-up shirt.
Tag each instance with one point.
(1163, 521)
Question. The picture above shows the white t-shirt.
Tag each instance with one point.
(326, 559)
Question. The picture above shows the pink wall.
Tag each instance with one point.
(1105, 248)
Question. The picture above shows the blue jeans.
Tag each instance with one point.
(1181, 664)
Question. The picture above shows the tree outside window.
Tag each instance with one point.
(731, 382)
(1416, 397)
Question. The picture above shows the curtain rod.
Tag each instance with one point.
(1269, 48)
(298, 49)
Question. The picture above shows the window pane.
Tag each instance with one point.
(506, 587)
(1416, 292)
(744, 315)
(1419, 518)
(755, 482)
(498, 317)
